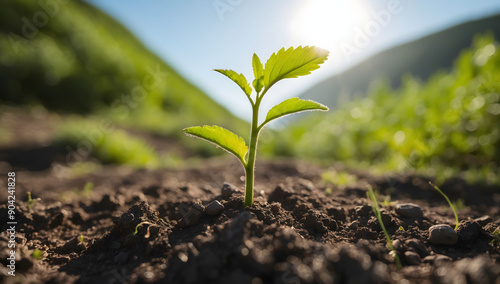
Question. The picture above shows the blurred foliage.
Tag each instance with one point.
(450, 121)
(84, 139)
(71, 57)
(4, 136)
(340, 179)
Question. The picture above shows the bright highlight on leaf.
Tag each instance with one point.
(292, 63)
(293, 105)
(238, 79)
(221, 137)
(258, 72)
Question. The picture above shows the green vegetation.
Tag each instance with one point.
(284, 64)
(147, 230)
(37, 254)
(84, 137)
(376, 210)
(79, 169)
(4, 136)
(449, 202)
(82, 61)
(85, 192)
(340, 179)
(31, 201)
(446, 125)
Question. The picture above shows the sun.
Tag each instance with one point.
(327, 23)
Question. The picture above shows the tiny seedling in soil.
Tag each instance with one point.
(373, 197)
(284, 64)
(449, 202)
(31, 201)
(37, 254)
(495, 236)
(147, 230)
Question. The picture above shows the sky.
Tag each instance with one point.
(197, 36)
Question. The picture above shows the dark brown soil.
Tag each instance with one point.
(294, 233)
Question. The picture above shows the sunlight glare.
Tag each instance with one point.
(327, 23)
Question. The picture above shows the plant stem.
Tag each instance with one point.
(449, 202)
(376, 209)
(250, 166)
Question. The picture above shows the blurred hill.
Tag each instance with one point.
(420, 58)
(72, 58)
(447, 123)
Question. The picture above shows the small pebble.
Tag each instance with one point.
(418, 246)
(441, 259)
(228, 190)
(214, 208)
(442, 235)
(397, 244)
(409, 210)
(437, 259)
(412, 258)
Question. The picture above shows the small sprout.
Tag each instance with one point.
(449, 202)
(87, 188)
(495, 236)
(401, 229)
(284, 64)
(328, 191)
(387, 201)
(31, 201)
(81, 239)
(37, 254)
(147, 230)
(373, 197)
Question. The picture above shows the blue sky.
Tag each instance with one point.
(197, 36)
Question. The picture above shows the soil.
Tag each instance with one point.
(294, 233)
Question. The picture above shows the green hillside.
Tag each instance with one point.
(420, 58)
(448, 123)
(72, 58)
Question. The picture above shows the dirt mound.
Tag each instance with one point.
(190, 226)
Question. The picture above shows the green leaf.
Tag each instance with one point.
(291, 106)
(258, 84)
(292, 63)
(238, 79)
(221, 137)
(258, 72)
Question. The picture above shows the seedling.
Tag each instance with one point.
(495, 236)
(81, 239)
(37, 254)
(449, 202)
(373, 197)
(147, 230)
(284, 64)
(31, 201)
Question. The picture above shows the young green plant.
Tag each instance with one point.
(449, 202)
(284, 64)
(373, 197)
(31, 201)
